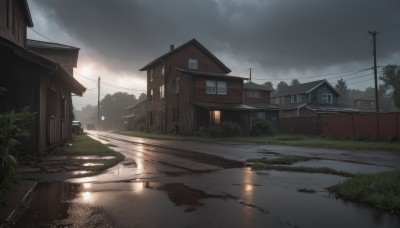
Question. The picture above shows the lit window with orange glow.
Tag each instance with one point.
(215, 117)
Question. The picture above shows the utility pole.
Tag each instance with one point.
(373, 34)
(98, 104)
(250, 73)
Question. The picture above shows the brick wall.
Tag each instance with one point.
(234, 91)
(264, 98)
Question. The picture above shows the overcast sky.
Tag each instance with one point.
(279, 39)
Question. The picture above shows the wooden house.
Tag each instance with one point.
(309, 99)
(35, 81)
(189, 88)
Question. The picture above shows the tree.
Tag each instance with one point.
(111, 107)
(269, 85)
(391, 77)
(142, 97)
(341, 88)
(281, 85)
(295, 82)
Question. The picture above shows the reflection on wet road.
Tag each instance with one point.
(156, 186)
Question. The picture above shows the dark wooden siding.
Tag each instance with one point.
(264, 98)
(15, 33)
(67, 58)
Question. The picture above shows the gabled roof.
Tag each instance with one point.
(254, 86)
(54, 67)
(194, 42)
(44, 44)
(301, 88)
(208, 74)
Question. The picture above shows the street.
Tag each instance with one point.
(197, 184)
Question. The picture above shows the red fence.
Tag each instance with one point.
(376, 126)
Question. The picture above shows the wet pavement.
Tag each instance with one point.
(168, 184)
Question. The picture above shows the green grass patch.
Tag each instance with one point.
(306, 190)
(300, 169)
(380, 190)
(285, 160)
(83, 145)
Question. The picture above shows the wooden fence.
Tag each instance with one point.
(375, 126)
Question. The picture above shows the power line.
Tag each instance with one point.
(42, 35)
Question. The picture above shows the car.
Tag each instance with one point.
(77, 127)
(90, 126)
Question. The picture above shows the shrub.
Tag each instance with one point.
(260, 127)
(12, 127)
(226, 129)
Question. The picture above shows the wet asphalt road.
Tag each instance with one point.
(165, 184)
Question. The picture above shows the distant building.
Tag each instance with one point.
(309, 99)
(135, 117)
(34, 80)
(364, 104)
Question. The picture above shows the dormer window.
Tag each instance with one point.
(193, 64)
(295, 98)
(327, 98)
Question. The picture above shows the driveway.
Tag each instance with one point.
(195, 184)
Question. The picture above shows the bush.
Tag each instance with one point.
(226, 129)
(12, 127)
(260, 127)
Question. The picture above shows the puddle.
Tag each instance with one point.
(343, 166)
(92, 164)
(93, 157)
(49, 205)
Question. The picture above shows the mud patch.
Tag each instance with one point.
(182, 194)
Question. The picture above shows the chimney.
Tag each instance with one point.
(171, 47)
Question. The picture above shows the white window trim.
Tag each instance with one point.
(162, 92)
(293, 100)
(151, 74)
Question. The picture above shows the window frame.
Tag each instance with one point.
(193, 64)
(293, 100)
(256, 94)
(211, 89)
(327, 98)
(162, 91)
(223, 92)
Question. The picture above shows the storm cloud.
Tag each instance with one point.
(276, 37)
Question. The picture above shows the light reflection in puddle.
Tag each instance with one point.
(92, 164)
(80, 172)
(87, 185)
(138, 187)
(87, 196)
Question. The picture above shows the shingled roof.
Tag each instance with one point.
(44, 44)
(300, 88)
(192, 41)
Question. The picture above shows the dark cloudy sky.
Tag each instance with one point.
(280, 39)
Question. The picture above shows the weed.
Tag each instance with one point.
(323, 170)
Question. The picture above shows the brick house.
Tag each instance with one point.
(33, 80)
(309, 99)
(189, 88)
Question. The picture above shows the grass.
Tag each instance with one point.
(380, 190)
(306, 190)
(323, 170)
(86, 146)
(288, 140)
(285, 160)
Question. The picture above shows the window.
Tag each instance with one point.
(327, 98)
(175, 114)
(53, 103)
(253, 93)
(193, 64)
(151, 118)
(295, 98)
(176, 86)
(162, 70)
(277, 100)
(151, 98)
(215, 117)
(162, 90)
(221, 88)
(151, 74)
(210, 87)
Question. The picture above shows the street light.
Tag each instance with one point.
(102, 120)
